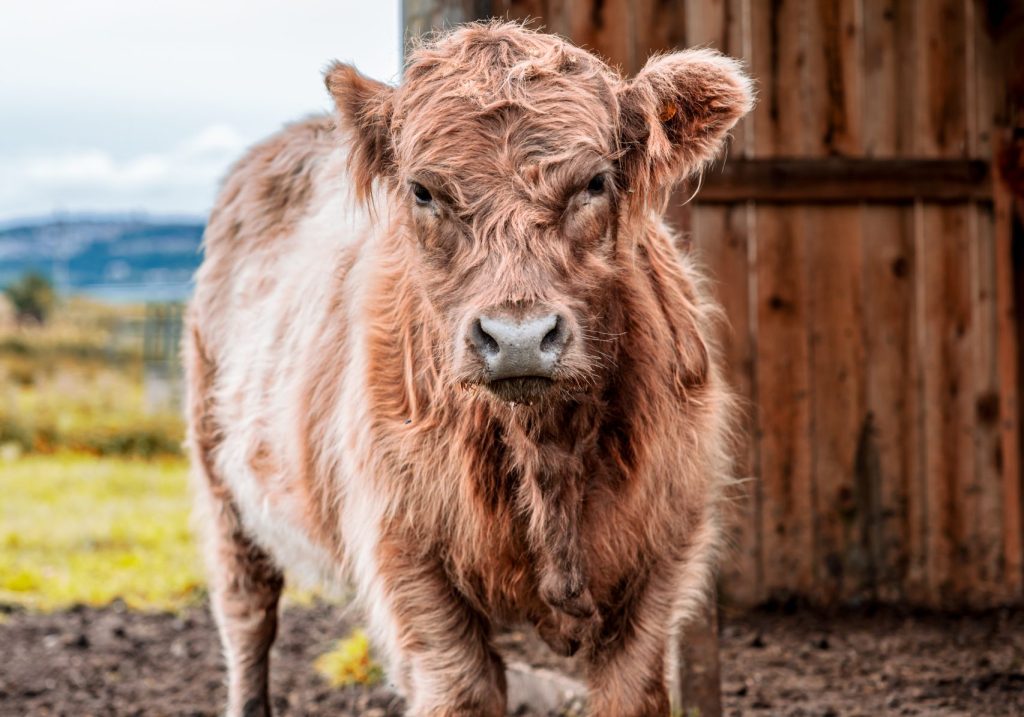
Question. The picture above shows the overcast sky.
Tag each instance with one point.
(140, 105)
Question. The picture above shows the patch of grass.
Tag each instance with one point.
(76, 384)
(94, 503)
(78, 529)
(350, 662)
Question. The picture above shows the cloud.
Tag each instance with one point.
(181, 179)
(151, 115)
(216, 140)
(95, 167)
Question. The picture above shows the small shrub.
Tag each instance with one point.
(350, 662)
(33, 297)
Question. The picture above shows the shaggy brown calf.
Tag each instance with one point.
(442, 347)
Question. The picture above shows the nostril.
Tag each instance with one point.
(484, 342)
(555, 338)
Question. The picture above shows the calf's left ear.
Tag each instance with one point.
(365, 108)
(675, 114)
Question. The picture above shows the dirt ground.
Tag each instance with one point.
(882, 663)
(113, 661)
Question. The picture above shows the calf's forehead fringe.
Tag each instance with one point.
(502, 84)
(493, 65)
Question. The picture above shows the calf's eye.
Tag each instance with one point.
(596, 184)
(422, 194)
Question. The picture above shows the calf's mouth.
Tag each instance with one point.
(520, 389)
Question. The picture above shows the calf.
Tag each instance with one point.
(442, 347)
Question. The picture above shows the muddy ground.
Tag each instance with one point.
(113, 661)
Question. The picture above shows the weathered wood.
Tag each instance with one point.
(846, 180)
(860, 242)
(784, 415)
(843, 467)
(420, 17)
(843, 485)
(947, 329)
(782, 370)
(983, 538)
(721, 244)
(1008, 314)
(699, 671)
(938, 101)
(947, 333)
(983, 534)
(889, 450)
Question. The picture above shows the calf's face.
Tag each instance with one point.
(514, 164)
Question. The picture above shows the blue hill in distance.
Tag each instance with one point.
(120, 258)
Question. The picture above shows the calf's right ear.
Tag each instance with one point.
(675, 114)
(365, 108)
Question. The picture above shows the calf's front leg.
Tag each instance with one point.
(245, 587)
(441, 651)
(626, 666)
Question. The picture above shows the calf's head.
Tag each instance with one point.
(515, 166)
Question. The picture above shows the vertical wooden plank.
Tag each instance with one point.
(779, 313)
(885, 52)
(939, 104)
(984, 538)
(606, 27)
(891, 437)
(700, 677)
(783, 416)
(844, 488)
(660, 26)
(720, 244)
(990, 581)
(946, 334)
(946, 331)
(764, 65)
(778, 63)
(831, 46)
(1008, 316)
(891, 440)
(844, 500)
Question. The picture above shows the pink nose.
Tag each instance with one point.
(512, 348)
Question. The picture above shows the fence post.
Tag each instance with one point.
(697, 669)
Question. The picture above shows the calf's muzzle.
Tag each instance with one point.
(527, 347)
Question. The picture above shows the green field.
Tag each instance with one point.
(95, 502)
(76, 384)
(84, 529)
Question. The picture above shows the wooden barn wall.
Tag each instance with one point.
(873, 342)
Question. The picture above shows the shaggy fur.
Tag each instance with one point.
(342, 427)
